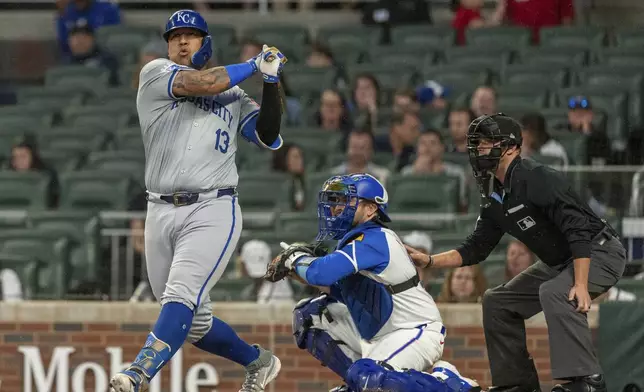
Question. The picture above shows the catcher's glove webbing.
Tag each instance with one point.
(277, 269)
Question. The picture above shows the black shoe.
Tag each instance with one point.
(516, 388)
(594, 383)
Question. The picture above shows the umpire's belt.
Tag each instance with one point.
(179, 199)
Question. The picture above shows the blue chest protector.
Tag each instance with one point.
(369, 302)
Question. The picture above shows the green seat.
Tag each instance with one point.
(631, 38)
(331, 34)
(621, 56)
(233, 289)
(114, 114)
(389, 77)
(26, 114)
(423, 193)
(520, 96)
(632, 285)
(494, 270)
(26, 95)
(105, 32)
(555, 56)
(75, 74)
(222, 34)
(251, 157)
(120, 95)
(434, 118)
(459, 77)
(574, 144)
(414, 55)
(304, 222)
(128, 162)
(83, 231)
(307, 81)
(94, 190)
(52, 252)
(61, 160)
(493, 60)
(129, 141)
(273, 238)
(27, 190)
(535, 76)
(431, 37)
(27, 270)
(71, 141)
(506, 37)
(261, 190)
(548, 160)
(347, 51)
(280, 34)
(572, 36)
(126, 45)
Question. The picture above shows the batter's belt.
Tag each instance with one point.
(179, 199)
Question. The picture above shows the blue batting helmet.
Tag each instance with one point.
(186, 19)
(192, 20)
(347, 191)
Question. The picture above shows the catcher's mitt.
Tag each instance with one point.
(280, 267)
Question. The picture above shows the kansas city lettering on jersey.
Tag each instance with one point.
(207, 104)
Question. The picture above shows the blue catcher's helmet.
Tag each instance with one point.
(192, 20)
(347, 191)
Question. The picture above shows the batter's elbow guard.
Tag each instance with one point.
(203, 55)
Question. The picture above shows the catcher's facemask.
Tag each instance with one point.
(337, 205)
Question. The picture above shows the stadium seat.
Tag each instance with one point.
(125, 45)
(306, 81)
(114, 113)
(105, 32)
(633, 286)
(530, 97)
(347, 52)
(28, 115)
(506, 37)
(621, 56)
(423, 193)
(433, 118)
(555, 56)
(120, 95)
(61, 160)
(75, 74)
(52, 252)
(28, 190)
(459, 78)
(431, 37)
(231, 289)
(572, 36)
(304, 222)
(93, 190)
(222, 34)
(333, 34)
(261, 190)
(74, 141)
(27, 269)
(280, 35)
(130, 163)
(530, 76)
(406, 56)
(631, 38)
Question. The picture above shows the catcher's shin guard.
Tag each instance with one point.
(367, 375)
(315, 340)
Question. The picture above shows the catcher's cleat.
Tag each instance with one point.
(594, 383)
(261, 371)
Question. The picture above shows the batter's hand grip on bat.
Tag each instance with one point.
(284, 245)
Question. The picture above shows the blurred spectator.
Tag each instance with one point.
(483, 101)
(250, 48)
(517, 259)
(429, 160)
(535, 14)
(431, 95)
(290, 159)
(92, 13)
(422, 242)
(25, 157)
(333, 114)
(254, 257)
(152, 50)
(536, 139)
(468, 16)
(10, 286)
(358, 158)
(366, 96)
(459, 122)
(293, 108)
(463, 285)
(580, 119)
(404, 100)
(388, 13)
(85, 51)
(402, 137)
(320, 56)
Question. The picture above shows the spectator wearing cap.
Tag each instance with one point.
(580, 120)
(421, 241)
(401, 140)
(483, 101)
(91, 13)
(459, 120)
(153, 50)
(254, 257)
(85, 51)
(537, 140)
(432, 95)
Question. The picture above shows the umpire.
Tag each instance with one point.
(580, 258)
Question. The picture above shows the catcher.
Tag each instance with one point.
(375, 326)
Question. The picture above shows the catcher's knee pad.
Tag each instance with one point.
(367, 375)
(317, 341)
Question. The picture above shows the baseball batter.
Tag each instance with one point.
(376, 327)
(190, 117)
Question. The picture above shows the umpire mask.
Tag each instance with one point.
(500, 132)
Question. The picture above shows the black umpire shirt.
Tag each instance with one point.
(536, 205)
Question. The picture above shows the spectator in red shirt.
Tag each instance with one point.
(468, 16)
(536, 14)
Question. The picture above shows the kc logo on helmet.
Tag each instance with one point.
(185, 18)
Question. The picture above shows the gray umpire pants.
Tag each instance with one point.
(545, 288)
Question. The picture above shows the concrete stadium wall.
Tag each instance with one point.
(90, 340)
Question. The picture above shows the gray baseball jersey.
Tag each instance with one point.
(190, 143)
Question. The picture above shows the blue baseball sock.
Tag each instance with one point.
(166, 338)
(223, 341)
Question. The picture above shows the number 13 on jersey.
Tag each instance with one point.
(223, 139)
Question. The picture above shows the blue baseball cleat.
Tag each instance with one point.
(452, 378)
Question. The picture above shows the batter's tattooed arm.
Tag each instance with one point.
(210, 81)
